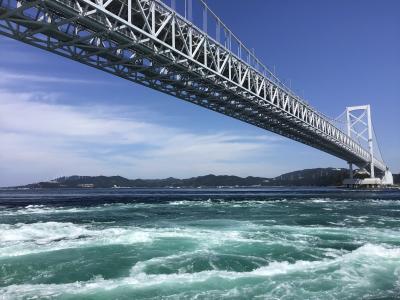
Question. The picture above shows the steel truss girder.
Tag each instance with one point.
(146, 42)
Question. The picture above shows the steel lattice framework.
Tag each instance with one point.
(149, 43)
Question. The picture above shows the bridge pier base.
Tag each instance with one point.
(386, 180)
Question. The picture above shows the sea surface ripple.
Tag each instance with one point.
(199, 244)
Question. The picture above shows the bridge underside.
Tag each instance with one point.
(154, 52)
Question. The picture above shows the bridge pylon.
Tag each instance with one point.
(359, 127)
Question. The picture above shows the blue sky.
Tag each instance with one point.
(58, 117)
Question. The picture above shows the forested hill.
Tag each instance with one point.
(313, 177)
(308, 177)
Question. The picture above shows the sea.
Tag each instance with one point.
(277, 243)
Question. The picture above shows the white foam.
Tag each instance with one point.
(355, 268)
(182, 202)
(222, 202)
(337, 223)
(366, 234)
(320, 200)
(22, 239)
(43, 209)
(40, 232)
(201, 203)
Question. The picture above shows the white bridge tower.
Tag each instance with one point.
(359, 127)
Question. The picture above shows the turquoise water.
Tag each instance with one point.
(199, 244)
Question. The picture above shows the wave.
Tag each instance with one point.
(206, 203)
(321, 200)
(23, 239)
(358, 269)
(40, 209)
(231, 203)
(43, 209)
(362, 234)
(47, 209)
(267, 202)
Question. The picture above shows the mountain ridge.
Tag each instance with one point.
(306, 177)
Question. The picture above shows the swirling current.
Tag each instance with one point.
(199, 244)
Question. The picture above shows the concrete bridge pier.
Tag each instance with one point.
(375, 182)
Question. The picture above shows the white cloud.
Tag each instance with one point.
(23, 113)
(42, 140)
(7, 77)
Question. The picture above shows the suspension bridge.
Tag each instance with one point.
(182, 48)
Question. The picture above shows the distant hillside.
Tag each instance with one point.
(118, 181)
(312, 177)
(308, 177)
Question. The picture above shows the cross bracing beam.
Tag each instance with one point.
(148, 43)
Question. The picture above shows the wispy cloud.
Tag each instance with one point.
(43, 140)
(7, 77)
